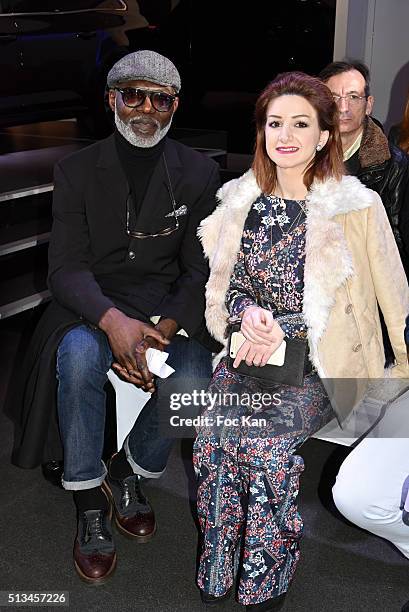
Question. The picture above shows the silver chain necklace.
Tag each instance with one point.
(294, 223)
(285, 234)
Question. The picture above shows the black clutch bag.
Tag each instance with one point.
(296, 364)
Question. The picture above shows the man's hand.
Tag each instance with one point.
(129, 339)
(258, 326)
(168, 327)
(141, 376)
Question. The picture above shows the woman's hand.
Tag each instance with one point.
(256, 354)
(258, 326)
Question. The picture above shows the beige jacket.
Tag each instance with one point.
(351, 263)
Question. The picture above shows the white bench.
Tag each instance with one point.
(129, 402)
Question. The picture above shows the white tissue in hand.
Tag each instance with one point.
(156, 363)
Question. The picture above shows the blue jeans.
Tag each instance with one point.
(83, 360)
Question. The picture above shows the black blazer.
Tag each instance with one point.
(94, 264)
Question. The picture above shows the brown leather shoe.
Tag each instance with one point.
(134, 515)
(94, 548)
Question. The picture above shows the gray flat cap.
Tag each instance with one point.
(145, 66)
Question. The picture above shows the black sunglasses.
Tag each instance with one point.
(163, 232)
(134, 97)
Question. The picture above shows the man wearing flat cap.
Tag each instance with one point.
(126, 272)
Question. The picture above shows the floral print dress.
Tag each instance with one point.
(248, 474)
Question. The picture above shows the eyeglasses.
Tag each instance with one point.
(134, 97)
(164, 232)
(352, 99)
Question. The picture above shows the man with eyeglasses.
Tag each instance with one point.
(126, 272)
(370, 486)
(380, 165)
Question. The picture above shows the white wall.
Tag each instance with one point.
(350, 29)
(377, 32)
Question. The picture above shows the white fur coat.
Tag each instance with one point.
(351, 264)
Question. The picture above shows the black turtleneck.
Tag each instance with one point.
(138, 164)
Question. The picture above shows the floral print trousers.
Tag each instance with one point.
(248, 482)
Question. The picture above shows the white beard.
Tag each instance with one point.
(145, 142)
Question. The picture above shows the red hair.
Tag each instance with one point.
(328, 162)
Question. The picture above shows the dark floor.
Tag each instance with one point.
(342, 568)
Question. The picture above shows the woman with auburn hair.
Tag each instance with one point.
(300, 256)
